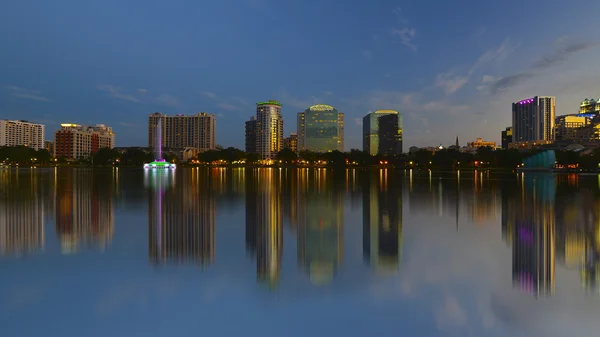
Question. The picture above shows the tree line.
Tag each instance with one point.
(484, 157)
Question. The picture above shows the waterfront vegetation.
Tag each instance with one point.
(484, 157)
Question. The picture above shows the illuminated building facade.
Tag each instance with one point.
(269, 129)
(590, 106)
(507, 137)
(251, 135)
(371, 132)
(479, 142)
(321, 129)
(382, 221)
(533, 119)
(179, 132)
(75, 141)
(291, 142)
(390, 134)
(21, 133)
(576, 128)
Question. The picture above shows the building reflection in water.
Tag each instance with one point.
(84, 210)
(534, 246)
(382, 220)
(181, 221)
(320, 224)
(21, 213)
(264, 223)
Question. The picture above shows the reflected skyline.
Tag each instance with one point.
(545, 221)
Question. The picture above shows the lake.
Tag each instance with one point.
(298, 252)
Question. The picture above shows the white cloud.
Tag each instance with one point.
(450, 83)
(116, 93)
(25, 93)
(227, 107)
(142, 91)
(168, 100)
(209, 94)
(406, 36)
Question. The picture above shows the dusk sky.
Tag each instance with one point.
(451, 67)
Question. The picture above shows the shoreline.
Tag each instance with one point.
(436, 169)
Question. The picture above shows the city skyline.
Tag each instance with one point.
(447, 78)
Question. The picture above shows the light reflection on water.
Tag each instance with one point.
(297, 252)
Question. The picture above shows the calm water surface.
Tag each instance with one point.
(298, 252)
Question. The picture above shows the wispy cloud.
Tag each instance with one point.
(405, 33)
(366, 54)
(142, 91)
(406, 36)
(226, 105)
(116, 92)
(168, 100)
(556, 57)
(451, 82)
(25, 93)
(208, 94)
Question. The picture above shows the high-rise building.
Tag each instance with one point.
(291, 142)
(590, 106)
(21, 133)
(269, 129)
(506, 137)
(533, 119)
(390, 134)
(571, 127)
(251, 135)
(321, 129)
(371, 131)
(180, 131)
(75, 141)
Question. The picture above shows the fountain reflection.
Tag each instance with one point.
(181, 221)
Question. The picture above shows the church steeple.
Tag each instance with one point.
(457, 145)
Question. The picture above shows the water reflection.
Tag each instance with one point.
(382, 220)
(181, 221)
(84, 210)
(351, 236)
(264, 223)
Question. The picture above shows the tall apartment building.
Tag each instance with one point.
(251, 135)
(291, 142)
(269, 129)
(180, 131)
(75, 141)
(533, 119)
(321, 129)
(392, 132)
(21, 133)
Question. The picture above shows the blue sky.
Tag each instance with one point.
(450, 67)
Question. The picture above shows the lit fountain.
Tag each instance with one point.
(159, 162)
